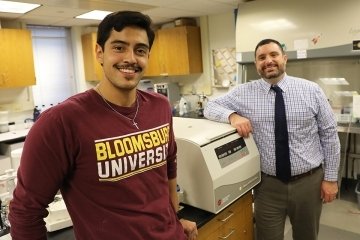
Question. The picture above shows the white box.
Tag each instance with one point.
(356, 106)
(344, 118)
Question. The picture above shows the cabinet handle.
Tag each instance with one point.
(227, 218)
(227, 236)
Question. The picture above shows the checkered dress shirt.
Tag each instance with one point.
(313, 138)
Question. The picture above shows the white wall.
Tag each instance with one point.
(222, 30)
(334, 22)
(81, 83)
(221, 35)
(18, 102)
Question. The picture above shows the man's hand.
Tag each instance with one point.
(190, 229)
(242, 124)
(328, 191)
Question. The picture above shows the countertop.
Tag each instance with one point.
(21, 133)
(12, 135)
(341, 128)
(349, 127)
(199, 216)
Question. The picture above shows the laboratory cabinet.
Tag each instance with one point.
(17, 59)
(92, 68)
(176, 51)
(154, 65)
(233, 223)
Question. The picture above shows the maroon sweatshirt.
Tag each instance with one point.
(112, 176)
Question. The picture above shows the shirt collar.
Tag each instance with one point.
(283, 84)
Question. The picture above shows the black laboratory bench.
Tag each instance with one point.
(199, 216)
(62, 234)
(194, 214)
(237, 216)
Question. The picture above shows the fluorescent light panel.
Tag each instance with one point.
(334, 81)
(17, 7)
(94, 15)
(275, 24)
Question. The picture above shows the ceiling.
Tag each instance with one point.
(62, 12)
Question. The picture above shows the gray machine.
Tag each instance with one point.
(169, 90)
(215, 165)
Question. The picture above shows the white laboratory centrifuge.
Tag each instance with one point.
(215, 165)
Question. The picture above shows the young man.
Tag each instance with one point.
(110, 150)
(310, 153)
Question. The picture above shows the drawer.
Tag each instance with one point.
(234, 222)
(215, 224)
(240, 226)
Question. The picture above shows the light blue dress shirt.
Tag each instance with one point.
(313, 138)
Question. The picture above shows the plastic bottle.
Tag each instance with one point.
(175, 109)
(182, 106)
(185, 108)
(180, 193)
(43, 108)
(36, 113)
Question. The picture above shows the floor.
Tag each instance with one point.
(340, 220)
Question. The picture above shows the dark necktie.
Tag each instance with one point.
(283, 170)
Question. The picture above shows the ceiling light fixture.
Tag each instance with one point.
(17, 7)
(275, 24)
(94, 15)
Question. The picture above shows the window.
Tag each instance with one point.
(53, 65)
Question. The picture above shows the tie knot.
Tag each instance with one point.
(276, 88)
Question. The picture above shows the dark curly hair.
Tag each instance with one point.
(119, 20)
